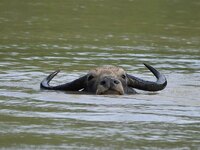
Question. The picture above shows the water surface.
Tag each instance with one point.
(38, 37)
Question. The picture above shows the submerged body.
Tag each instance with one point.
(108, 80)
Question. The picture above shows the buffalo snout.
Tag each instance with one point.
(109, 85)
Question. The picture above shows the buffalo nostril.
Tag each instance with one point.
(116, 82)
(103, 82)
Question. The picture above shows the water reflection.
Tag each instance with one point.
(186, 60)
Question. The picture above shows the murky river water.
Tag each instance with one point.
(38, 37)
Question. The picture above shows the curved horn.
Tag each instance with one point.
(158, 85)
(71, 86)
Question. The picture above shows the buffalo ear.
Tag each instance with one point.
(75, 85)
(141, 84)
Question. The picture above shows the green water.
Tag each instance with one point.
(38, 37)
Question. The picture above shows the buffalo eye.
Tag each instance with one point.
(90, 77)
(123, 76)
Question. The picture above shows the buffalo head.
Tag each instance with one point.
(109, 80)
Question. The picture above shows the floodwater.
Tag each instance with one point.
(38, 37)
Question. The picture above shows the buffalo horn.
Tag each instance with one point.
(75, 85)
(141, 84)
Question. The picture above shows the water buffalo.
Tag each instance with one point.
(108, 80)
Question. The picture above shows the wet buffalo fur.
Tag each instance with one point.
(108, 80)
